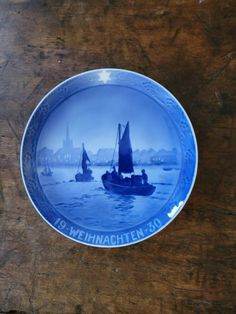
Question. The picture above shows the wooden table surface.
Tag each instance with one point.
(189, 47)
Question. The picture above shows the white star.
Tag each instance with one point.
(104, 76)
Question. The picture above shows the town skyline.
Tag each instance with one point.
(94, 114)
(68, 154)
(68, 141)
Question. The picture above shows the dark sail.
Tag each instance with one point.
(85, 158)
(125, 152)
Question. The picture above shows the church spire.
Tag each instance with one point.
(67, 132)
(67, 142)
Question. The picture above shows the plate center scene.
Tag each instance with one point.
(108, 158)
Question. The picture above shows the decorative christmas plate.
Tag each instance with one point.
(108, 158)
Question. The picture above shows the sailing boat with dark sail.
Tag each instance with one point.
(86, 174)
(47, 171)
(115, 182)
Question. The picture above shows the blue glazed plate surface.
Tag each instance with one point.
(108, 158)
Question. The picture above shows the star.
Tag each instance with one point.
(104, 76)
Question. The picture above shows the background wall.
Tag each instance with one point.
(189, 47)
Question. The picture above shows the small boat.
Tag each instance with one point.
(115, 182)
(47, 171)
(86, 174)
(167, 168)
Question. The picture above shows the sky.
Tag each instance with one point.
(93, 116)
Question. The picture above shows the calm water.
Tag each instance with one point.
(90, 205)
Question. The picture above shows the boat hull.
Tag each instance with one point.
(79, 177)
(142, 190)
(49, 174)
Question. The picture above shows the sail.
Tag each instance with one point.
(85, 158)
(125, 152)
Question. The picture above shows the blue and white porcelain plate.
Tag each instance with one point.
(109, 158)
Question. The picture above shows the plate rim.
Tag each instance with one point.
(192, 133)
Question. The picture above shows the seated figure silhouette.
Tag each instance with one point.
(114, 174)
(144, 177)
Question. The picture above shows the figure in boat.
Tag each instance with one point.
(47, 171)
(115, 182)
(86, 174)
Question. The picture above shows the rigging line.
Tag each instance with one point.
(113, 156)
(80, 162)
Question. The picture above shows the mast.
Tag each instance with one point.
(119, 138)
(119, 133)
(84, 164)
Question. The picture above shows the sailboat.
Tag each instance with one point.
(115, 182)
(86, 174)
(47, 171)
